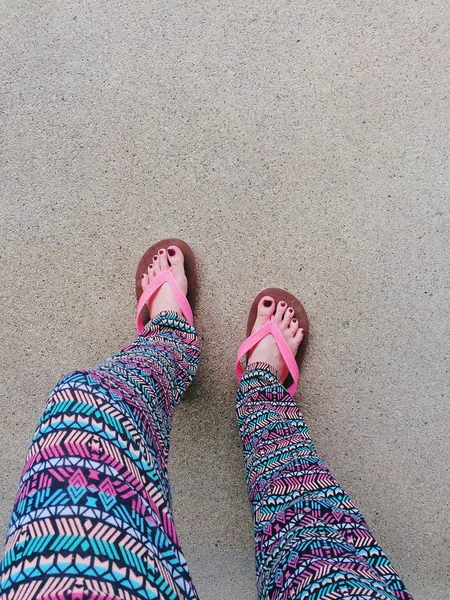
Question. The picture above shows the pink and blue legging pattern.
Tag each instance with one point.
(93, 517)
(311, 541)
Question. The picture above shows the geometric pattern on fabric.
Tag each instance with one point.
(92, 518)
(311, 541)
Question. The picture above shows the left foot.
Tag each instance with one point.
(164, 300)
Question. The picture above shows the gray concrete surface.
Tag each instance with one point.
(300, 144)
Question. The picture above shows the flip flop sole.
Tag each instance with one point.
(279, 295)
(190, 267)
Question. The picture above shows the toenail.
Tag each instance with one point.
(155, 257)
(171, 252)
(161, 251)
(294, 320)
(267, 303)
(291, 310)
(282, 303)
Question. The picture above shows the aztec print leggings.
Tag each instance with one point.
(93, 518)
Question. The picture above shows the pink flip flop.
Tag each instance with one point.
(292, 363)
(186, 303)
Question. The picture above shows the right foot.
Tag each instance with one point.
(266, 350)
(164, 300)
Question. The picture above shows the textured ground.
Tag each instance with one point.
(296, 144)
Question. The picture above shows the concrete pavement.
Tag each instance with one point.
(296, 144)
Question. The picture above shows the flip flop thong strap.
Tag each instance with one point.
(273, 329)
(153, 287)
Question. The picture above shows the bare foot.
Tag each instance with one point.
(164, 300)
(266, 350)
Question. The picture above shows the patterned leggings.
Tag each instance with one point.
(93, 518)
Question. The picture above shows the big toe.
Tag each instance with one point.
(266, 308)
(176, 257)
(176, 260)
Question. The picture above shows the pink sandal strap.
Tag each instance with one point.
(273, 329)
(153, 287)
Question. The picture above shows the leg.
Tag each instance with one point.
(311, 541)
(93, 517)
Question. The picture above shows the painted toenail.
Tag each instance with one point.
(171, 252)
(282, 303)
(155, 258)
(161, 251)
(291, 310)
(294, 320)
(267, 303)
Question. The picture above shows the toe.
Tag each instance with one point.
(288, 316)
(293, 327)
(144, 281)
(156, 266)
(266, 308)
(279, 313)
(163, 262)
(151, 272)
(298, 337)
(176, 261)
(175, 256)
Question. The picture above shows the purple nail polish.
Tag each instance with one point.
(171, 252)
(267, 303)
(294, 320)
(291, 310)
(161, 251)
(155, 257)
(282, 303)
